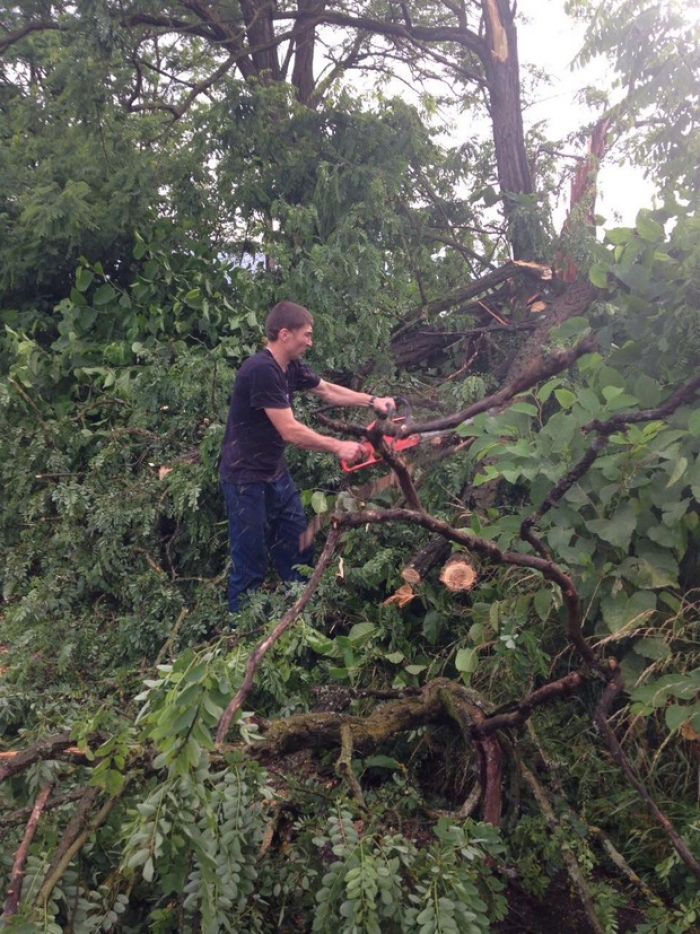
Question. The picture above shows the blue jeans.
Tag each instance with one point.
(263, 519)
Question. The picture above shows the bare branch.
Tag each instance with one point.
(600, 718)
(76, 835)
(14, 890)
(25, 31)
(263, 647)
(463, 37)
(572, 866)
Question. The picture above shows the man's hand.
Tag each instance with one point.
(383, 405)
(351, 451)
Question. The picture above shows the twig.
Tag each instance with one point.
(344, 765)
(13, 818)
(595, 833)
(520, 711)
(600, 719)
(167, 645)
(570, 861)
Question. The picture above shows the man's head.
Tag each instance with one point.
(287, 316)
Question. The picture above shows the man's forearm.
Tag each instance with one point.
(294, 432)
(305, 437)
(341, 395)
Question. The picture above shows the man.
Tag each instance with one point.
(265, 515)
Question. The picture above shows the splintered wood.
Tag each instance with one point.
(458, 574)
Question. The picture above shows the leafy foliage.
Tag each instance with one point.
(138, 253)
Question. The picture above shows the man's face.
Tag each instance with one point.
(299, 341)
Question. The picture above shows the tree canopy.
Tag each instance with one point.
(481, 713)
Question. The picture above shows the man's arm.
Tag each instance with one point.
(341, 395)
(294, 432)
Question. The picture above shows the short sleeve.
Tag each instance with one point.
(268, 388)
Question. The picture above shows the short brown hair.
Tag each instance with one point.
(286, 315)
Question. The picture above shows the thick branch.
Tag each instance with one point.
(540, 370)
(14, 890)
(478, 287)
(324, 729)
(25, 31)
(50, 747)
(469, 715)
(75, 837)
(491, 552)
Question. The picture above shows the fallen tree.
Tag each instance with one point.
(178, 743)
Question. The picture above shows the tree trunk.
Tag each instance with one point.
(261, 39)
(500, 62)
(305, 41)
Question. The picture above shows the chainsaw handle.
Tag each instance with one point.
(396, 444)
(371, 459)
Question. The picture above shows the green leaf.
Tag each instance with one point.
(104, 295)
(636, 278)
(573, 327)
(381, 762)
(361, 633)
(599, 275)
(193, 298)
(649, 229)
(525, 408)
(543, 603)
(676, 715)
(653, 647)
(620, 611)
(467, 660)
(415, 669)
(319, 502)
(617, 530)
(678, 471)
(619, 235)
(694, 423)
(84, 278)
(653, 568)
(544, 392)
(565, 398)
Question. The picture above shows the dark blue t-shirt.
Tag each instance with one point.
(253, 449)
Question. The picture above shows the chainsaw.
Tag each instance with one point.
(372, 456)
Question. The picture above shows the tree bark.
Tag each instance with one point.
(434, 552)
(502, 69)
(303, 77)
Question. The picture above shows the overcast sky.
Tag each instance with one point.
(551, 40)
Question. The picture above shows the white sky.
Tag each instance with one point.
(552, 40)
